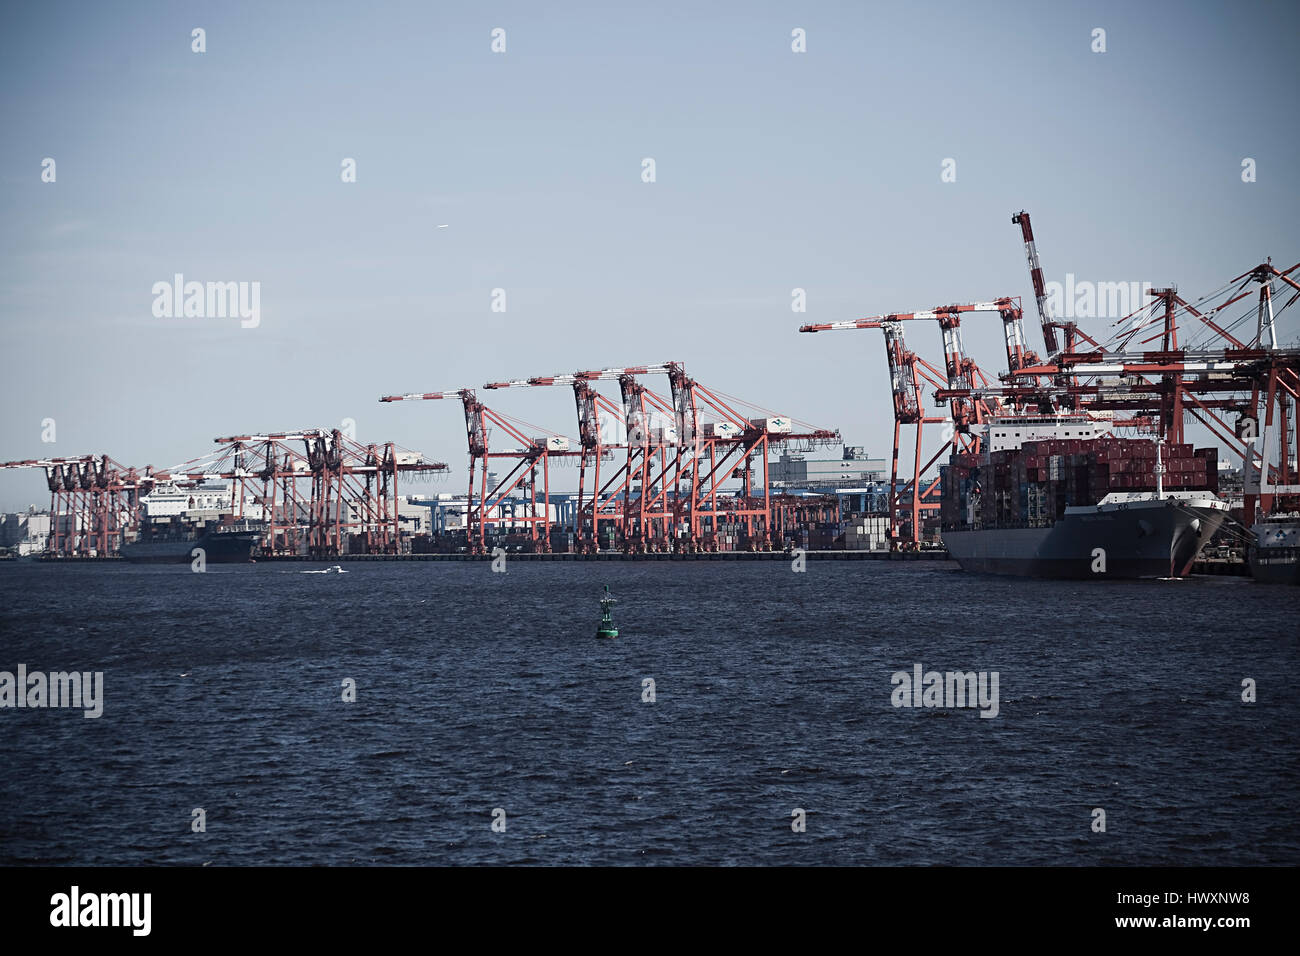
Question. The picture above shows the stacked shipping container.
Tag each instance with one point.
(1031, 486)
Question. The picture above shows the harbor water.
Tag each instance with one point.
(736, 695)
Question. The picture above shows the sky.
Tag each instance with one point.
(522, 170)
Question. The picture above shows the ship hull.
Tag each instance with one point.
(1275, 556)
(1159, 540)
(229, 548)
(1275, 565)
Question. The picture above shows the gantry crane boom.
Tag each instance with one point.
(1049, 324)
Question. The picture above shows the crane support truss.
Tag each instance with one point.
(528, 465)
(319, 492)
(961, 378)
(93, 500)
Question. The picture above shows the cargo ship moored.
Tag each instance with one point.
(1058, 496)
(219, 545)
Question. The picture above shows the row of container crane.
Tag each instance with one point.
(1242, 387)
(313, 489)
(651, 466)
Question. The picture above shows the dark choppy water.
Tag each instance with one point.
(479, 690)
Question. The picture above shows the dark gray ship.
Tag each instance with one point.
(1058, 496)
(219, 546)
(1275, 554)
(1136, 535)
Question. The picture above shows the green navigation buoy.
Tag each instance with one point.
(607, 628)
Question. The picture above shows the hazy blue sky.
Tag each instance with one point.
(774, 170)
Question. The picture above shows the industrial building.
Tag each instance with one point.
(793, 470)
(25, 532)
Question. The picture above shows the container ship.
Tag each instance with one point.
(1275, 554)
(1058, 496)
(221, 545)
